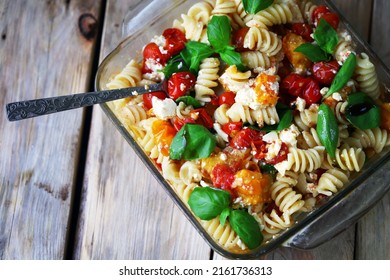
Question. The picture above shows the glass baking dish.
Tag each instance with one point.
(311, 229)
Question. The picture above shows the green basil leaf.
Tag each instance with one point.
(343, 76)
(189, 100)
(175, 64)
(327, 129)
(219, 32)
(255, 6)
(269, 169)
(194, 53)
(246, 228)
(326, 36)
(207, 203)
(362, 112)
(313, 52)
(192, 141)
(231, 57)
(224, 215)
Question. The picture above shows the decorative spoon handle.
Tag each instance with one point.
(37, 107)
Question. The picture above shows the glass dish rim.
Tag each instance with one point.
(284, 235)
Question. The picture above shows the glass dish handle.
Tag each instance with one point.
(343, 214)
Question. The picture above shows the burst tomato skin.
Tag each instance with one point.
(323, 12)
(232, 128)
(175, 40)
(178, 122)
(311, 92)
(293, 84)
(238, 39)
(202, 117)
(318, 13)
(303, 30)
(180, 83)
(281, 156)
(245, 138)
(227, 98)
(153, 52)
(222, 176)
(325, 72)
(147, 97)
(333, 19)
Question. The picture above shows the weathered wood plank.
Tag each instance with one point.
(373, 236)
(125, 212)
(42, 54)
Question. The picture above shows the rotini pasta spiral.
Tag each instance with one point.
(224, 7)
(128, 77)
(238, 112)
(220, 114)
(261, 39)
(268, 115)
(190, 173)
(234, 80)
(307, 118)
(207, 79)
(331, 181)
(366, 76)
(299, 160)
(273, 223)
(255, 59)
(131, 114)
(307, 8)
(342, 50)
(375, 138)
(222, 234)
(339, 112)
(273, 15)
(351, 159)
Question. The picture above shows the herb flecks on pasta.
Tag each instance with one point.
(269, 109)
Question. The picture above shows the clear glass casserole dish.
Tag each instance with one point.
(331, 216)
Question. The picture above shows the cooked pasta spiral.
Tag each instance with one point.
(307, 8)
(128, 77)
(375, 138)
(261, 39)
(307, 118)
(220, 114)
(351, 159)
(331, 181)
(273, 15)
(207, 79)
(255, 59)
(273, 223)
(190, 173)
(342, 50)
(238, 112)
(223, 234)
(268, 115)
(131, 114)
(311, 138)
(366, 76)
(299, 160)
(339, 111)
(234, 80)
(224, 7)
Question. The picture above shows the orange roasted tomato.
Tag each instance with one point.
(163, 132)
(267, 89)
(298, 60)
(253, 187)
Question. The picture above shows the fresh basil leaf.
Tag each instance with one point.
(362, 112)
(343, 76)
(219, 32)
(192, 141)
(246, 228)
(313, 52)
(255, 6)
(231, 57)
(224, 215)
(194, 53)
(207, 203)
(327, 129)
(269, 169)
(189, 100)
(175, 64)
(326, 36)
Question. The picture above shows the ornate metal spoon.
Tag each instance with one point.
(37, 107)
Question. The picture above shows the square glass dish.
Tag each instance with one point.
(318, 223)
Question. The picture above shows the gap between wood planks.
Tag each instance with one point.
(83, 147)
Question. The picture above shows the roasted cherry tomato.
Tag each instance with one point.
(175, 40)
(222, 176)
(227, 98)
(324, 72)
(232, 128)
(202, 117)
(245, 138)
(293, 84)
(163, 132)
(311, 92)
(304, 30)
(147, 97)
(153, 52)
(318, 13)
(180, 83)
(238, 39)
(333, 19)
(281, 156)
(178, 122)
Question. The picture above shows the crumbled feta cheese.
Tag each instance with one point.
(289, 135)
(337, 96)
(301, 104)
(273, 149)
(271, 137)
(159, 40)
(345, 35)
(164, 109)
(282, 167)
(155, 67)
(324, 91)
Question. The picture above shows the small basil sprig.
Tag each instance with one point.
(192, 141)
(326, 36)
(327, 129)
(343, 76)
(194, 53)
(313, 52)
(175, 64)
(269, 169)
(207, 203)
(362, 111)
(246, 227)
(255, 6)
(189, 100)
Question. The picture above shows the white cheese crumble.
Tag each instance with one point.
(271, 137)
(324, 91)
(164, 109)
(289, 135)
(337, 96)
(301, 104)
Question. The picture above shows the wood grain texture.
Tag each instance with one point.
(373, 238)
(42, 54)
(125, 212)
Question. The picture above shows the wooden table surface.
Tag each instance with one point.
(72, 188)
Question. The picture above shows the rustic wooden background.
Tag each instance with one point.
(71, 187)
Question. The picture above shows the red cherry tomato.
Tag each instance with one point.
(147, 97)
(227, 98)
(175, 40)
(202, 117)
(303, 30)
(318, 13)
(245, 138)
(152, 51)
(222, 176)
(180, 83)
(311, 92)
(238, 39)
(178, 122)
(293, 84)
(324, 72)
(281, 156)
(232, 128)
(333, 19)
